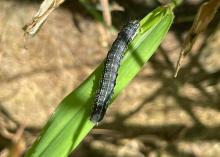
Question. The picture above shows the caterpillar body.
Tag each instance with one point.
(112, 63)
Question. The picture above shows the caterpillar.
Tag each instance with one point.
(112, 62)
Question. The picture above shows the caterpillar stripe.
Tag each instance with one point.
(111, 66)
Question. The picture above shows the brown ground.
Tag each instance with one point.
(156, 115)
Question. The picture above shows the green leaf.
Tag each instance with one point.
(70, 122)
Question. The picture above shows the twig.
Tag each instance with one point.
(106, 12)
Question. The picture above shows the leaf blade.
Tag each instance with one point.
(70, 122)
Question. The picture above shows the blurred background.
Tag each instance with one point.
(156, 115)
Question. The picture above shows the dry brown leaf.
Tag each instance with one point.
(46, 8)
(204, 16)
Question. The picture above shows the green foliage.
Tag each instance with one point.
(70, 122)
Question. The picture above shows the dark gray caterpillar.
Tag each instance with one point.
(112, 63)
